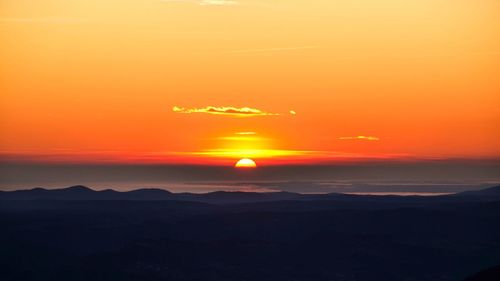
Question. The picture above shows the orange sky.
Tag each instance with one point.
(97, 80)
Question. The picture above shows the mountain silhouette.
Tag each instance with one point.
(490, 274)
(80, 192)
(491, 192)
(77, 233)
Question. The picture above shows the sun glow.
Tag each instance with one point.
(245, 163)
(254, 153)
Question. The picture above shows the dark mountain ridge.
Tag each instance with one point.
(490, 191)
(76, 234)
(80, 192)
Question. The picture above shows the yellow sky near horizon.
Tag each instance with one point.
(97, 80)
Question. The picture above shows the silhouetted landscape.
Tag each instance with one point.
(77, 233)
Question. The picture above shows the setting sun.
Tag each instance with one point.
(245, 163)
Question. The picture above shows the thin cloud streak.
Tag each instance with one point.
(45, 20)
(225, 110)
(205, 2)
(256, 153)
(368, 138)
(266, 50)
(218, 3)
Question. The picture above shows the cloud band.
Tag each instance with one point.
(225, 110)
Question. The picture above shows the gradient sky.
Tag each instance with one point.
(209, 82)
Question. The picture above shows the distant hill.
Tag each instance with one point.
(138, 236)
(491, 191)
(487, 194)
(80, 192)
(490, 274)
(222, 197)
(84, 193)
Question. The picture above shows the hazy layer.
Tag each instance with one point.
(432, 177)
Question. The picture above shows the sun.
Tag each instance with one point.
(245, 163)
